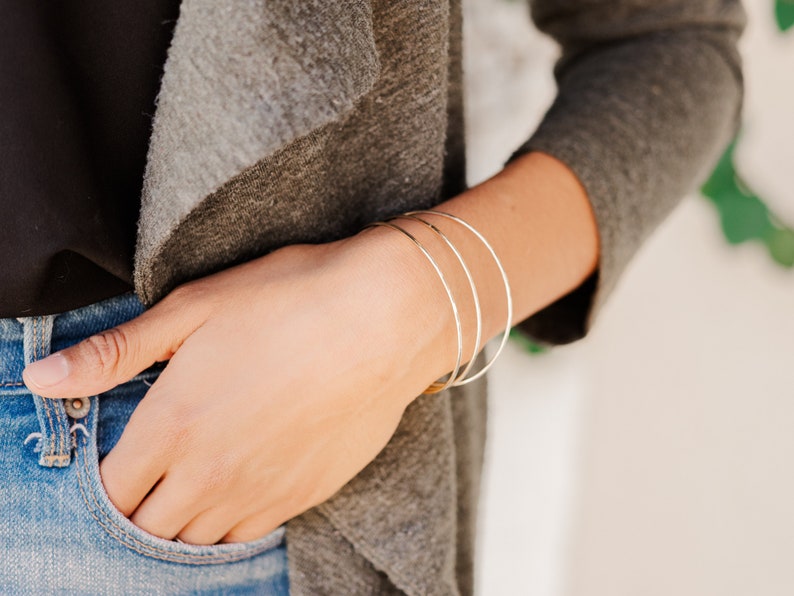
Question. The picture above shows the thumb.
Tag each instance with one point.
(114, 356)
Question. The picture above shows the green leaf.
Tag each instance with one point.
(743, 215)
(527, 343)
(723, 178)
(781, 247)
(784, 14)
(743, 218)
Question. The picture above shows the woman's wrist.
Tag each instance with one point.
(540, 221)
(412, 312)
(421, 310)
(537, 216)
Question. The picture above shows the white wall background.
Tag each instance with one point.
(654, 457)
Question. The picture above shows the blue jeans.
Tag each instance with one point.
(59, 531)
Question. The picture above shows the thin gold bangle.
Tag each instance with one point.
(475, 296)
(508, 295)
(437, 386)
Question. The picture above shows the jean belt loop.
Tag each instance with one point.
(55, 444)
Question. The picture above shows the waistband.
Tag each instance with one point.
(68, 328)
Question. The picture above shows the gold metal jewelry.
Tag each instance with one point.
(437, 386)
(475, 296)
(508, 295)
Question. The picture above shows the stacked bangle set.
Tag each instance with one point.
(461, 374)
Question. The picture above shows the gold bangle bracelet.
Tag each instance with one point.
(437, 386)
(509, 298)
(474, 294)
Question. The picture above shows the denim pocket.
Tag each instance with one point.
(121, 529)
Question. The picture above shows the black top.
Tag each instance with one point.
(78, 81)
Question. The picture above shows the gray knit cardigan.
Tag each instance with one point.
(284, 121)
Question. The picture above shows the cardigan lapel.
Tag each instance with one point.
(256, 105)
(242, 80)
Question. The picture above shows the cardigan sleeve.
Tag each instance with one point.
(649, 93)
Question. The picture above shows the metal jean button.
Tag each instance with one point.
(77, 407)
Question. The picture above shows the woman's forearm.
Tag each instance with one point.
(312, 353)
(538, 219)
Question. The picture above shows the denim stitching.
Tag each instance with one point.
(60, 425)
(50, 439)
(172, 557)
(56, 453)
(35, 339)
(15, 384)
(52, 447)
(113, 535)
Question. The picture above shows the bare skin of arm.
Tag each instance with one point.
(289, 373)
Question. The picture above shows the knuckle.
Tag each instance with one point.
(177, 440)
(178, 429)
(198, 484)
(106, 349)
(218, 472)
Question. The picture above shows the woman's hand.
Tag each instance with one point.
(287, 375)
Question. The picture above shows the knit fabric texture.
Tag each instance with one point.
(281, 122)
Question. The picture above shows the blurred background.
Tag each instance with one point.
(655, 457)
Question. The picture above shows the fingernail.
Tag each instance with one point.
(47, 372)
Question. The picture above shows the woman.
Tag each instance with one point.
(296, 343)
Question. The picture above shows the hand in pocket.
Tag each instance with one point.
(287, 375)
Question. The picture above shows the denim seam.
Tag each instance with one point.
(62, 426)
(45, 402)
(136, 545)
(54, 454)
(51, 438)
(15, 384)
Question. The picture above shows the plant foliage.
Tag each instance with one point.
(526, 342)
(744, 216)
(784, 14)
